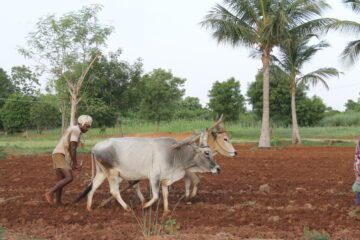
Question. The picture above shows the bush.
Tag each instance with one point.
(345, 119)
(44, 115)
(15, 114)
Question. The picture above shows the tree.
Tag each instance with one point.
(24, 80)
(293, 55)
(6, 87)
(163, 93)
(67, 47)
(103, 114)
(263, 24)
(352, 106)
(15, 114)
(190, 108)
(280, 106)
(116, 82)
(44, 114)
(350, 54)
(225, 98)
(311, 110)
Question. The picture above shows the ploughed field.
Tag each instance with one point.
(307, 187)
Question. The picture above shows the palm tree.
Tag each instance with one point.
(263, 24)
(351, 52)
(292, 57)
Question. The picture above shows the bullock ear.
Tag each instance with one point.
(214, 134)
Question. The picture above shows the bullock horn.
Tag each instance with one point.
(215, 124)
(188, 140)
(203, 138)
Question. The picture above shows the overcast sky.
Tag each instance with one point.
(166, 34)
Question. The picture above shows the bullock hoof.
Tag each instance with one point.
(89, 209)
(166, 212)
(127, 209)
(188, 202)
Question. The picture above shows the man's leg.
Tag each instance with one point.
(68, 177)
(58, 193)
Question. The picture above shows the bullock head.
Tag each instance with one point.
(204, 160)
(220, 142)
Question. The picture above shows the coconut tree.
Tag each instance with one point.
(291, 59)
(263, 25)
(351, 52)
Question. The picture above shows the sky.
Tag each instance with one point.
(166, 34)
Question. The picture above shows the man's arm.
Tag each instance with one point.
(73, 146)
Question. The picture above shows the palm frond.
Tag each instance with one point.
(350, 27)
(351, 52)
(229, 28)
(354, 4)
(319, 75)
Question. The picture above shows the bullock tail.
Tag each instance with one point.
(87, 190)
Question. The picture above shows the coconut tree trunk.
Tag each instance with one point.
(264, 141)
(295, 127)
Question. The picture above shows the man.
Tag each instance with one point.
(64, 158)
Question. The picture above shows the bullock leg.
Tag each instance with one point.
(187, 181)
(138, 192)
(195, 181)
(155, 185)
(165, 192)
(98, 180)
(114, 190)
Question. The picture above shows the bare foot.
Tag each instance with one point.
(48, 198)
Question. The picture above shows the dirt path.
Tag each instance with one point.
(308, 187)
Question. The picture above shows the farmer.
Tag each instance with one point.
(64, 158)
(355, 186)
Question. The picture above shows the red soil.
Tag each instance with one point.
(309, 187)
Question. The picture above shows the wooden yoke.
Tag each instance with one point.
(188, 140)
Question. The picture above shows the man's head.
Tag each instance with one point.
(85, 122)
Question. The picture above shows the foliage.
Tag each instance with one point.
(311, 111)
(6, 87)
(341, 120)
(43, 114)
(280, 105)
(163, 94)
(171, 227)
(330, 112)
(15, 114)
(351, 105)
(24, 80)
(315, 235)
(67, 47)
(103, 114)
(190, 108)
(263, 25)
(225, 98)
(116, 82)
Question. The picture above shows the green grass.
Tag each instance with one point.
(45, 143)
